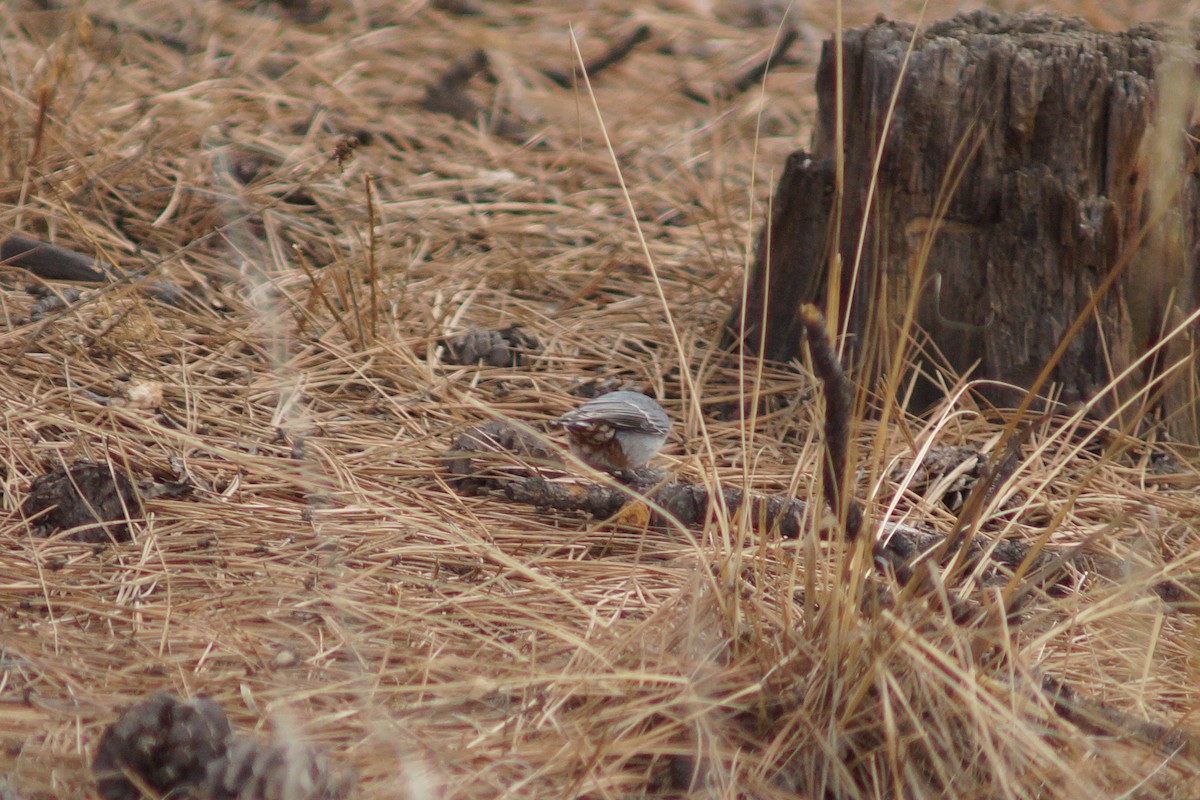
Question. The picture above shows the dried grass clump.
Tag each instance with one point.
(321, 575)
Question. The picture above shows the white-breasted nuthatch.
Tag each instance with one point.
(617, 431)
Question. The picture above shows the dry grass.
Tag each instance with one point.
(323, 582)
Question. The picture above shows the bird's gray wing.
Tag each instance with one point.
(621, 414)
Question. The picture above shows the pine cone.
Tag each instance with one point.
(276, 771)
(493, 348)
(161, 744)
(85, 494)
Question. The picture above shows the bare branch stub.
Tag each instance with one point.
(839, 399)
(790, 260)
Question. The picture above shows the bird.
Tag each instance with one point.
(617, 432)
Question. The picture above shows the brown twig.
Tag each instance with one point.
(751, 77)
(459, 8)
(499, 457)
(120, 27)
(1099, 718)
(448, 95)
(615, 54)
(49, 261)
(838, 409)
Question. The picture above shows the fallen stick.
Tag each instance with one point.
(751, 77)
(49, 261)
(616, 54)
(448, 95)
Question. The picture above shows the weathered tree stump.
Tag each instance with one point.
(1023, 161)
